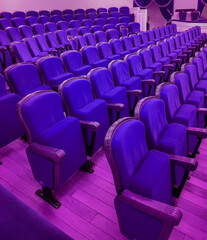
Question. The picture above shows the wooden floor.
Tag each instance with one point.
(87, 210)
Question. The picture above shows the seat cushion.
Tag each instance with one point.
(146, 74)
(204, 76)
(132, 83)
(59, 79)
(165, 60)
(153, 178)
(202, 86)
(101, 63)
(43, 87)
(113, 57)
(82, 70)
(196, 98)
(173, 55)
(156, 66)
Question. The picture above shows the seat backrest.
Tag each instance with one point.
(43, 19)
(91, 16)
(31, 20)
(21, 52)
(87, 23)
(79, 10)
(44, 12)
(127, 43)
(104, 49)
(177, 41)
(156, 53)
(112, 34)
(72, 31)
(56, 12)
(199, 66)
(90, 10)
(146, 57)
(135, 63)
(62, 37)
(116, 45)
(170, 95)
(80, 16)
(162, 32)
(83, 30)
(42, 43)
(108, 26)
(6, 15)
(56, 18)
(171, 45)
(191, 71)
(203, 56)
(26, 31)
(14, 34)
(113, 9)
(134, 27)
(75, 24)
(144, 37)
(124, 10)
(81, 41)
(151, 111)
(50, 27)
(157, 34)
(100, 21)
(100, 10)
(4, 23)
(135, 40)
(51, 39)
(100, 36)
(164, 49)
(62, 25)
(112, 20)
(90, 55)
(167, 32)
(18, 21)
(96, 28)
(90, 38)
(124, 19)
(19, 14)
(4, 39)
(101, 80)
(68, 17)
(3, 90)
(104, 15)
(72, 60)
(68, 11)
(32, 14)
(23, 78)
(32, 46)
(115, 14)
(38, 29)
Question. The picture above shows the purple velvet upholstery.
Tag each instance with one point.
(38, 29)
(90, 38)
(128, 45)
(117, 48)
(26, 31)
(105, 51)
(112, 34)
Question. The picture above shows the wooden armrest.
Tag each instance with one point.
(136, 93)
(188, 163)
(93, 126)
(202, 111)
(116, 106)
(169, 66)
(199, 132)
(149, 81)
(182, 56)
(159, 73)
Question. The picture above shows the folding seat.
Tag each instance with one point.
(146, 75)
(101, 10)
(109, 26)
(157, 35)
(167, 32)
(143, 182)
(105, 51)
(80, 10)
(124, 19)
(19, 14)
(104, 15)
(26, 31)
(162, 32)
(121, 76)
(13, 34)
(21, 52)
(72, 31)
(43, 19)
(117, 48)
(87, 23)
(38, 29)
(31, 20)
(68, 17)
(5, 22)
(113, 9)
(193, 41)
(199, 65)
(169, 138)
(122, 29)
(18, 21)
(91, 57)
(103, 88)
(33, 48)
(100, 21)
(171, 30)
(6, 57)
(147, 61)
(124, 11)
(75, 24)
(10, 127)
(134, 27)
(62, 25)
(81, 42)
(183, 48)
(23, 79)
(151, 36)
(90, 39)
(43, 46)
(52, 71)
(136, 41)
(115, 14)
(49, 132)
(73, 63)
(6, 15)
(203, 57)
(56, 12)
(187, 44)
(79, 102)
(90, 10)
(128, 46)
(82, 30)
(80, 16)
(50, 27)
(112, 34)
(56, 18)
(53, 43)
(63, 38)
(32, 14)
(68, 11)
(100, 36)
(91, 16)
(112, 20)
(44, 13)
(144, 39)
(96, 28)
(72, 42)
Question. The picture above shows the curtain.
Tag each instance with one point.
(167, 11)
(201, 4)
(142, 3)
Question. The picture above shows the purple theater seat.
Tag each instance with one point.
(199, 66)
(90, 39)
(134, 27)
(203, 56)
(56, 12)
(6, 54)
(75, 24)
(68, 17)
(79, 102)
(112, 20)
(103, 15)
(115, 14)
(80, 16)
(68, 11)
(53, 42)
(26, 31)
(43, 19)
(117, 48)
(72, 31)
(81, 41)
(112, 34)
(33, 48)
(63, 38)
(44, 13)
(179, 46)
(100, 36)
(100, 21)
(162, 32)
(24, 222)
(90, 10)
(82, 30)
(38, 29)
(6, 15)
(108, 26)
(10, 127)
(105, 52)
(50, 27)
(52, 71)
(14, 34)
(146, 75)
(124, 11)
(31, 20)
(122, 28)
(91, 16)
(73, 63)
(101, 10)
(124, 19)
(79, 10)
(116, 97)
(172, 49)
(143, 183)
(91, 57)
(56, 18)
(121, 76)
(136, 40)
(5, 23)
(151, 36)
(87, 23)
(23, 79)
(19, 14)
(56, 149)
(144, 39)
(62, 25)
(113, 9)
(43, 46)
(21, 53)
(96, 28)
(32, 14)
(157, 35)
(167, 31)
(128, 45)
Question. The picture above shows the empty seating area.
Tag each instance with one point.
(104, 123)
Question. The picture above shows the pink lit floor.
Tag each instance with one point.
(87, 210)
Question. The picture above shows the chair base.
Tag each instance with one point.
(88, 167)
(178, 189)
(46, 194)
